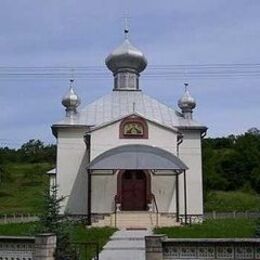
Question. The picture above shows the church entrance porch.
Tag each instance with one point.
(133, 190)
(134, 164)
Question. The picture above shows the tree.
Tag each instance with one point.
(253, 131)
(51, 221)
(32, 150)
(233, 162)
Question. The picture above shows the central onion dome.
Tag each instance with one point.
(126, 56)
(126, 62)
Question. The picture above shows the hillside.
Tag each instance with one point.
(22, 189)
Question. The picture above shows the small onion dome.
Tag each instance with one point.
(126, 56)
(71, 100)
(186, 103)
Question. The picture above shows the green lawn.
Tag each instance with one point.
(231, 201)
(24, 229)
(219, 228)
(22, 190)
(83, 235)
(78, 233)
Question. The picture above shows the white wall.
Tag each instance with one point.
(190, 154)
(106, 138)
(163, 188)
(104, 189)
(71, 173)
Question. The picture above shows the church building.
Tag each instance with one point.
(127, 151)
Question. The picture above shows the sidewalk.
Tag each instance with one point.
(125, 245)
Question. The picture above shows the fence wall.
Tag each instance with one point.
(17, 218)
(219, 215)
(159, 247)
(25, 218)
(41, 247)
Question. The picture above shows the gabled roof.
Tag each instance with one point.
(119, 104)
(94, 128)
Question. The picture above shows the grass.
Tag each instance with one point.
(18, 229)
(231, 201)
(78, 233)
(220, 228)
(23, 189)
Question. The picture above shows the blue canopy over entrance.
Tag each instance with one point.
(137, 157)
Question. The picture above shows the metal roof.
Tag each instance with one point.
(138, 157)
(119, 104)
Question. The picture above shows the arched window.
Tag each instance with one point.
(133, 127)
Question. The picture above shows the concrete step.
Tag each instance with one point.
(136, 220)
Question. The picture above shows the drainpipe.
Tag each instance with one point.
(202, 135)
(88, 145)
(179, 142)
(185, 198)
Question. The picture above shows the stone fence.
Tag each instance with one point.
(192, 218)
(40, 247)
(231, 214)
(159, 247)
(17, 218)
(25, 218)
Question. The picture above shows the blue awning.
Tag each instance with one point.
(137, 157)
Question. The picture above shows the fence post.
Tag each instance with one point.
(153, 247)
(45, 245)
(214, 214)
(234, 214)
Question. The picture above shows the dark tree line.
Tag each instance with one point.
(34, 151)
(233, 162)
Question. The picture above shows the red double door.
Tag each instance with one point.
(133, 190)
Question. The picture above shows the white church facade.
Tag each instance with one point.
(126, 151)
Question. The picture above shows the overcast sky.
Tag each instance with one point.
(170, 32)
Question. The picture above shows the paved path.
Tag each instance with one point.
(125, 245)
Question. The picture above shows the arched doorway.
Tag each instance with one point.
(133, 190)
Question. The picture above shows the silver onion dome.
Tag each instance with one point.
(71, 101)
(126, 56)
(187, 103)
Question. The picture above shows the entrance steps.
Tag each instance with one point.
(137, 220)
